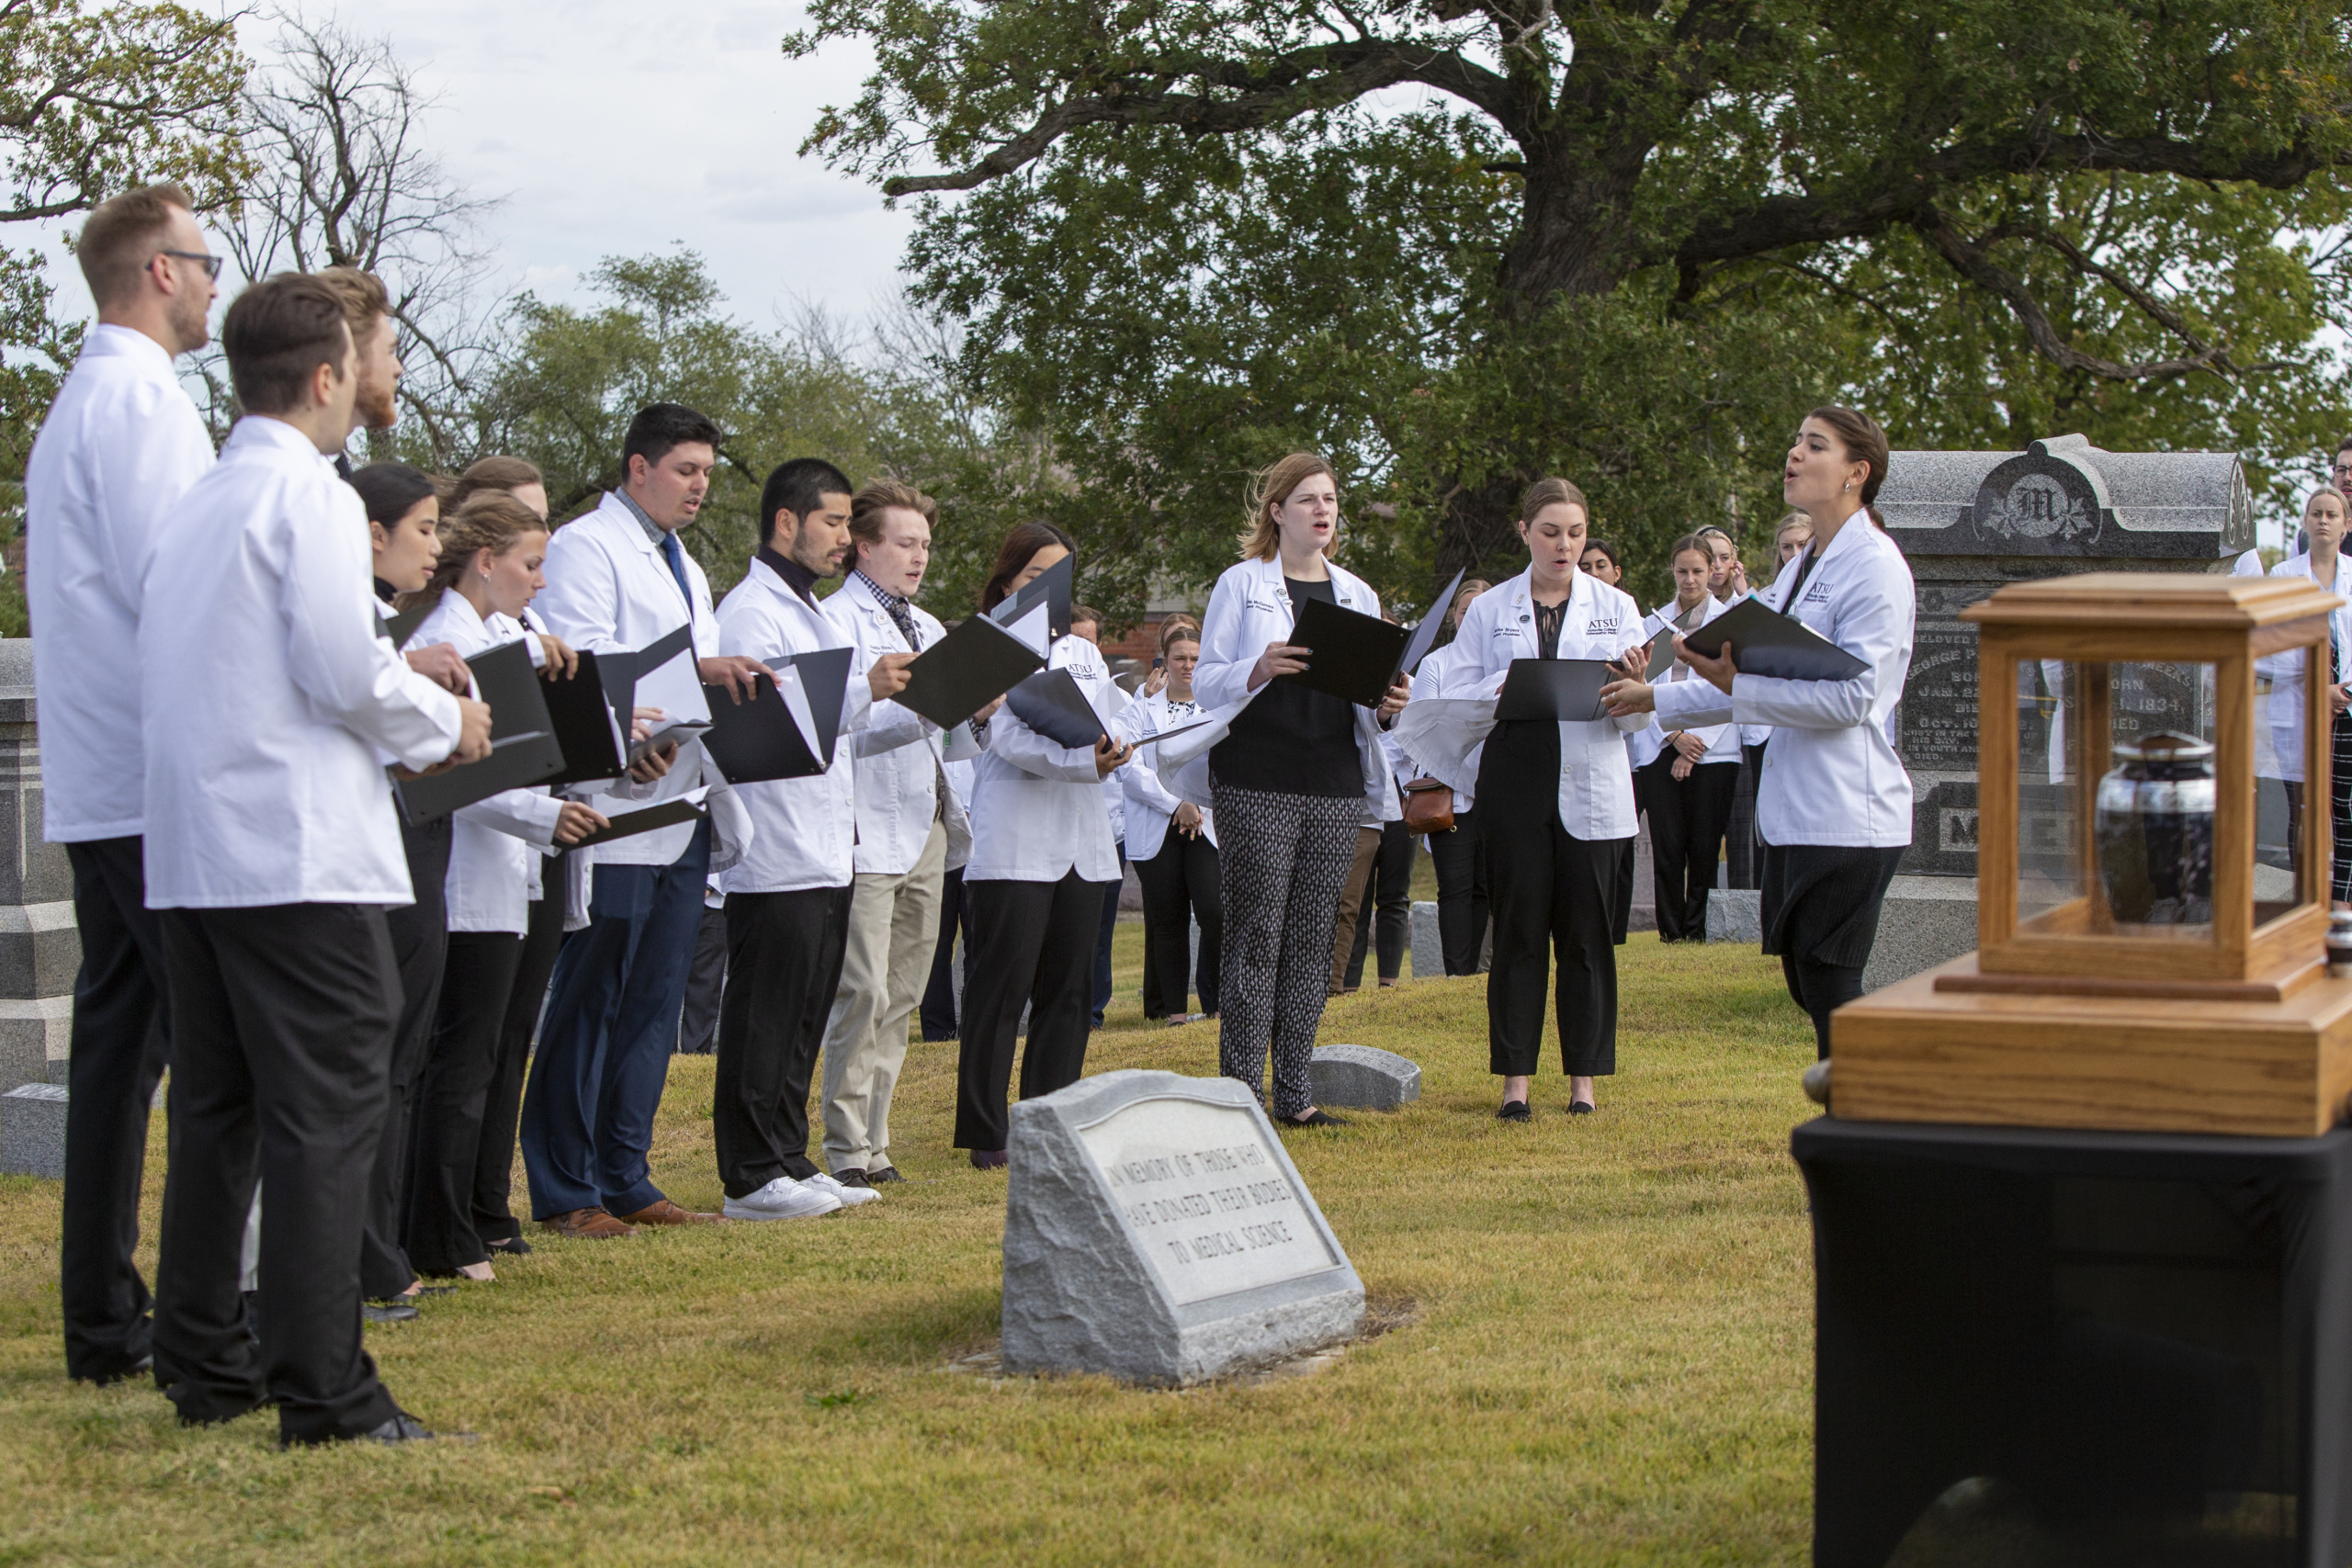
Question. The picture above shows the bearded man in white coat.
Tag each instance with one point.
(120, 446)
(789, 902)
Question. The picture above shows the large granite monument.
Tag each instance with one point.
(1968, 523)
(1156, 1231)
(40, 951)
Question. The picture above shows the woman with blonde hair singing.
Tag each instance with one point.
(1299, 771)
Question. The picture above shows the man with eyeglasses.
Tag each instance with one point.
(121, 446)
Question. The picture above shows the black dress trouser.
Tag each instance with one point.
(1180, 889)
(939, 996)
(420, 938)
(1688, 818)
(783, 964)
(120, 1051)
(1035, 946)
(452, 1096)
(1387, 905)
(1553, 897)
(282, 1021)
(1461, 894)
(501, 1112)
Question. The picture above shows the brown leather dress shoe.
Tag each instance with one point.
(662, 1212)
(587, 1224)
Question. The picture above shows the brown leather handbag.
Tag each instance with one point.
(1429, 805)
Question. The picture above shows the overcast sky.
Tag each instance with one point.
(615, 127)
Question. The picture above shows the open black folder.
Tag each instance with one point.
(1765, 642)
(1354, 656)
(1053, 587)
(1567, 690)
(789, 729)
(1051, 704)
(524, 749)
(584, 724)
(966, 671)
(1425, 635)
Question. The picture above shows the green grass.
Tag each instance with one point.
(1604, 1355)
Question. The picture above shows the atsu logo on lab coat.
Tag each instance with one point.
(1600, 624)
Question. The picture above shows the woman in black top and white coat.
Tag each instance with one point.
(1297, 773)
(1834, 806)
(1555, 806)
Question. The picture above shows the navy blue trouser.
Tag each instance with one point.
(604, 1045)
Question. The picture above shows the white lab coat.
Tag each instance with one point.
(807, 827)
(900, 752)
(2286, 669)
(1830, 772)
(494, 844)
(266, 692)
(120, 446)
(1148, 802)
(1037, 810)
(1595, 794)
(608, 587)
(1250, 608)
(959, 812)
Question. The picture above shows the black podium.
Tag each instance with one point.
(2141, 1343)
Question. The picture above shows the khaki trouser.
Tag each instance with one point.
(886, 963)
(1343, 940)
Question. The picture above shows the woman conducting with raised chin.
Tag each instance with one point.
(1555, 806)
(1297, 773)
(1834, 808)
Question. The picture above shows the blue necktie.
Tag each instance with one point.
(676, 556)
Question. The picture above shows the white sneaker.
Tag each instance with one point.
(783, 1199)
(841, 1196)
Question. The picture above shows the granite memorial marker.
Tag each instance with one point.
(1156, 1231)
(1362, 1077)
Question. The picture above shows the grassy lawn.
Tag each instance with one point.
(1602, 1352)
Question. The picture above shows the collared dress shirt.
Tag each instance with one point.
(119, 448)
(266, 693)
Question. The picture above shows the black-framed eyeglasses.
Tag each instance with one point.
(210, 262)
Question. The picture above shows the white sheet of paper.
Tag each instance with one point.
(1035, 629)
(790, 687)
(676, 689)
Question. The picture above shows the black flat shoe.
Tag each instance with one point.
(1515, 1110)
(883, 1177)
(1579, 1108)
(374, 1314)
(989, 1159)
(1313, 1118)
(514, 1246)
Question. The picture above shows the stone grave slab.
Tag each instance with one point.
(32, 1130)
(1362, 1077)
(1157, 1231)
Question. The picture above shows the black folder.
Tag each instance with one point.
(402, 627)
(1566, 690)
(1425, 635)
(584, 724)
(524, 748)
(628, 824)
(621, 669)
(1765, 642)
(1355, 655)
(762, 739)
(966, 671)
(1051, 704)
(1051, 585)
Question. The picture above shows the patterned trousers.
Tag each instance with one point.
(1285, 859)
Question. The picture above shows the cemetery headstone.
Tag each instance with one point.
(32, 1130)
(1157, 1231)
(1362, 1077)
(40, 950)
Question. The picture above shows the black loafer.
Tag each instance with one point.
(851, 1178)
(991, 1159)
(1313, 1118)
(1514, 1111)
(1579, 1108)
(514, 1246)
(396, 1313)
(883, 1177)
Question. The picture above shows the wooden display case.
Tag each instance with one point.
(2164, 982)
